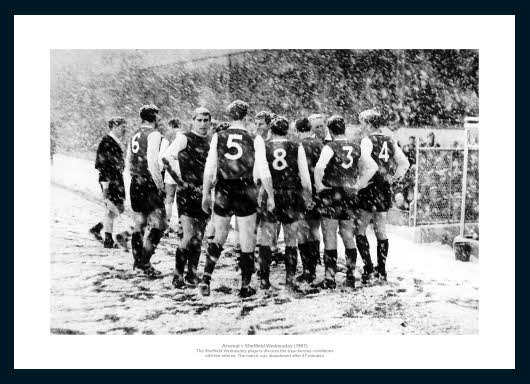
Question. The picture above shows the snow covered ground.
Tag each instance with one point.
(95, 291)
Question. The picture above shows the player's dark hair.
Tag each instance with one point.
(237, 110)
(223, 125)
(116, 121)
(264, 115)
(336, 125)
(375, 121)
(174, 123)
(280, 126)
(302, 124)
(149, 112)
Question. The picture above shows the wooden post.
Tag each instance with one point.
(416, 180)
(464, 186)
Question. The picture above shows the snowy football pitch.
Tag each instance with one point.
(95, 291)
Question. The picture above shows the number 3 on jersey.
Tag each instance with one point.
(384, 152)
(234, 144)
(135, 144)
(279, 162)
(349, 150)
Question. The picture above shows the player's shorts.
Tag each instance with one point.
(289, 208)
(116, 192)
(377, 197)
(364, 217)
(145, 197)
(235, 197)
(189, 203)
(314, 213)
(337, 204)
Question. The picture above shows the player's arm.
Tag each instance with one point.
(170, 157)
(303, 171)
(102, 161)
(320, 167)
(209, 175)
(128, 156)
(153, 145)
(368, 167)
(402, 162)
(262, 171)
(103, 166)
(163, 147)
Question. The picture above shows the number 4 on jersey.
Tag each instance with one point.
(384, 152)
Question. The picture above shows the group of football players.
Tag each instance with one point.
(315, 180)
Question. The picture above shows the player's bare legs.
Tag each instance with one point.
(303, 240)
(236, 250)
(382, 243)
(221, 226)
(108, 221)
(329, 230)
(291, 254)
(137, 239)
(189, 251)
(210, 229)
(108, 228)
(363, 219)
(157, 222)
(309, 247)
(346, 229)
(171, 190)
(247, 239)
(267, 233)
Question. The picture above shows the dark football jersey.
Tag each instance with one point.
(312, 148)
(109, 160)
(139, 152)
(383, 155)
(342, 170)
(192, 159)
(235, 154)
(282, 157)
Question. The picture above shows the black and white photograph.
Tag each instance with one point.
(264, 191)
(284, 192)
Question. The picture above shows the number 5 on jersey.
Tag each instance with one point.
(231, 143)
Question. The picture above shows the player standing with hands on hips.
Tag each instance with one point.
(343, 168)
(375, 200)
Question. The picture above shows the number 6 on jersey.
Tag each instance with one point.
(135, 144)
